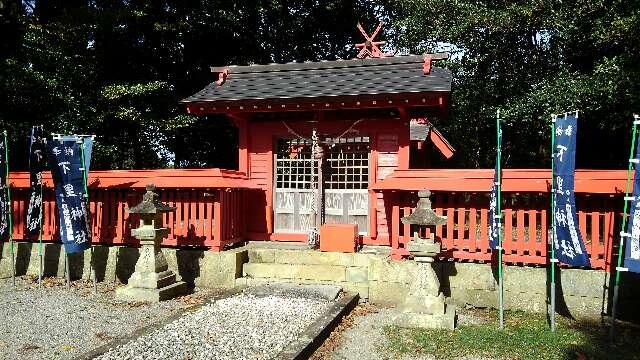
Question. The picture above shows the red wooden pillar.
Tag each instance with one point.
(217, 221)
(243, 142)
(403, 140)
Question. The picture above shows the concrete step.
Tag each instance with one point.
(295, 271)
(308, 257)
(354, 288)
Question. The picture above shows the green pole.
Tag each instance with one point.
(499, 214)
(9, 212)
(86, 197)
(40, 245)
(552, 287)
(636, 120)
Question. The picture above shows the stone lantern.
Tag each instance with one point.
(424, 306)
(152, 279)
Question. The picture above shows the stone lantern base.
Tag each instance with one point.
(424, 306)
(166, 288)
(152, 280)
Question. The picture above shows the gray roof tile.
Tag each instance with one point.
(396, 75)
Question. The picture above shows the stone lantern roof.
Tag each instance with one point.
(150, 203)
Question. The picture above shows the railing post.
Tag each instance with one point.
(217, 221)
(395, 232)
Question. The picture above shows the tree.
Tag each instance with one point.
(117, 68)
(531, 59)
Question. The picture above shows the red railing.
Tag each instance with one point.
(462, 196)
(208, 206)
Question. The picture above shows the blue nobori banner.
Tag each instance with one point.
(494, 208)
(4, 199)
(37, 164)
(68, 178)
(632, 246)
(568, 242)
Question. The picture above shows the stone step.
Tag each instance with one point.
(295, 271)
(447, 320)
(354, 288)
(308, 257)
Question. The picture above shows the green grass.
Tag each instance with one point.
(526, 337)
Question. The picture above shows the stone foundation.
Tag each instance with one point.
(201, 268)
(581, 293)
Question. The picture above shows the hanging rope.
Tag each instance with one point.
(333, 140)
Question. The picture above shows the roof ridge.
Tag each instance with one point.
(326, 64)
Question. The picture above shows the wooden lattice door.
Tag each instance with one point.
(345, 178)
(294, 196)
(346, 182)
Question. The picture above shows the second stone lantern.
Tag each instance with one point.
(152, 280)
(424, 305)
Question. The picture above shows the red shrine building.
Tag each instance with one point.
(316, 137)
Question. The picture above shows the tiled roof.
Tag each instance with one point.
(372, 76)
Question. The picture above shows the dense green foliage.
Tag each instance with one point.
(531, 59)
(117, 68)
(525, 337)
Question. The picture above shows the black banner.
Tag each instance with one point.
(37, 163)
(568, 243)
(4, 201)
(494, 221)
(67, 170)
(632, 247)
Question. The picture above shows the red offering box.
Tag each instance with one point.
(339, 237)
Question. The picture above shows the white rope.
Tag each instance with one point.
(294, 133)
(350, 128)
(290, 130)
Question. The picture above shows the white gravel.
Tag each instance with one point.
(239, 327)
(56, 323)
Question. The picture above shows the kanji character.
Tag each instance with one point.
(561, 150)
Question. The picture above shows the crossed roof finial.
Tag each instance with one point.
(370, 47)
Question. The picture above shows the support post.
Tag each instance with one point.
(622, 228)
(9, 212)
(552, 262)
(92, 269)
(499, 212)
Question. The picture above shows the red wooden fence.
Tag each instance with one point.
(208, 206)
(525, 212)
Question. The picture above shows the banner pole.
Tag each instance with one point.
(552, 262)
(67, 273)
(40, 245)
(9, 211)
(636, 120)
(499, 214)
(92, 269)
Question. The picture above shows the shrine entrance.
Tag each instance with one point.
(345, 179)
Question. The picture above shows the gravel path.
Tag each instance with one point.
(56, 323)
(244, 326)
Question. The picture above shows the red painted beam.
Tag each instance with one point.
(164, 178)
(315, 104)
(441, 143)
(513, 180)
